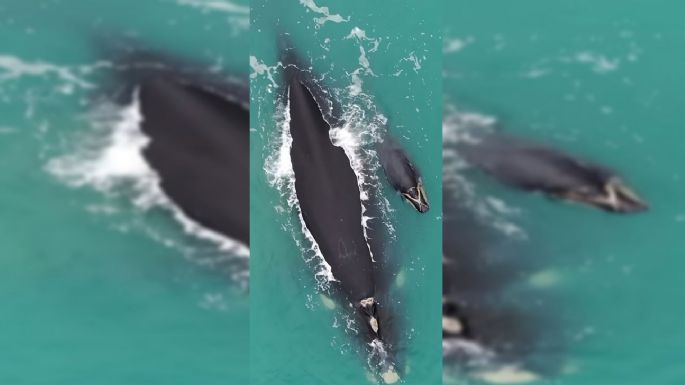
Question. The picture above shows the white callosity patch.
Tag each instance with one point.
(462, 127)
(380, 359)
(324, 11)
(111, 161)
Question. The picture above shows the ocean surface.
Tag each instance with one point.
(101, 281)
(601, 80)
(386, 76)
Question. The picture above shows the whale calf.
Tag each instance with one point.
(534, 167)
(402, 174)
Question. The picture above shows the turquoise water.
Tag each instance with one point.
(601, 80)
(97, 289)
(374, 66)
(101, 285)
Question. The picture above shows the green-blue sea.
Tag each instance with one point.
(603, 81)
(98, 285)
(101, 281)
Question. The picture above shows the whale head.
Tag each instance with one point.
(613, 195)
(417, 197)
(369, 311)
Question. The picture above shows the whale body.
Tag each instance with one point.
(402, 174)
(199, 146)
(533, 167)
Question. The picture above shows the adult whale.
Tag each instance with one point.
(328, 194)
(199, 145)
(329, 198)
(330, 204)
(197, 124)
(402, 174)
(534, 167)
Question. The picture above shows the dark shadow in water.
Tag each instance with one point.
(485, 287)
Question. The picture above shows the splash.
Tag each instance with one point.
(281, 175)
(112, 163)
(380, 359)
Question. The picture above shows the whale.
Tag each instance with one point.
(328, 195)
(330, 206)
(530, 166)
(488, 321)
(402, 174)
(196, 122)
(199, 145)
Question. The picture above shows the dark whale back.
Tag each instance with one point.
(199, 145)
(398, 169)
(531, 166)
(328, 194)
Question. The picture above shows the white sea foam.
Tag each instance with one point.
(325, 12)
(598, 62)
(217, 5)
(111, 162)
(12, 67)
(357, 84)
(259, 68)
(237, 15)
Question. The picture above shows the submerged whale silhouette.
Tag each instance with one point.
(533, 167)
(402, 174)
